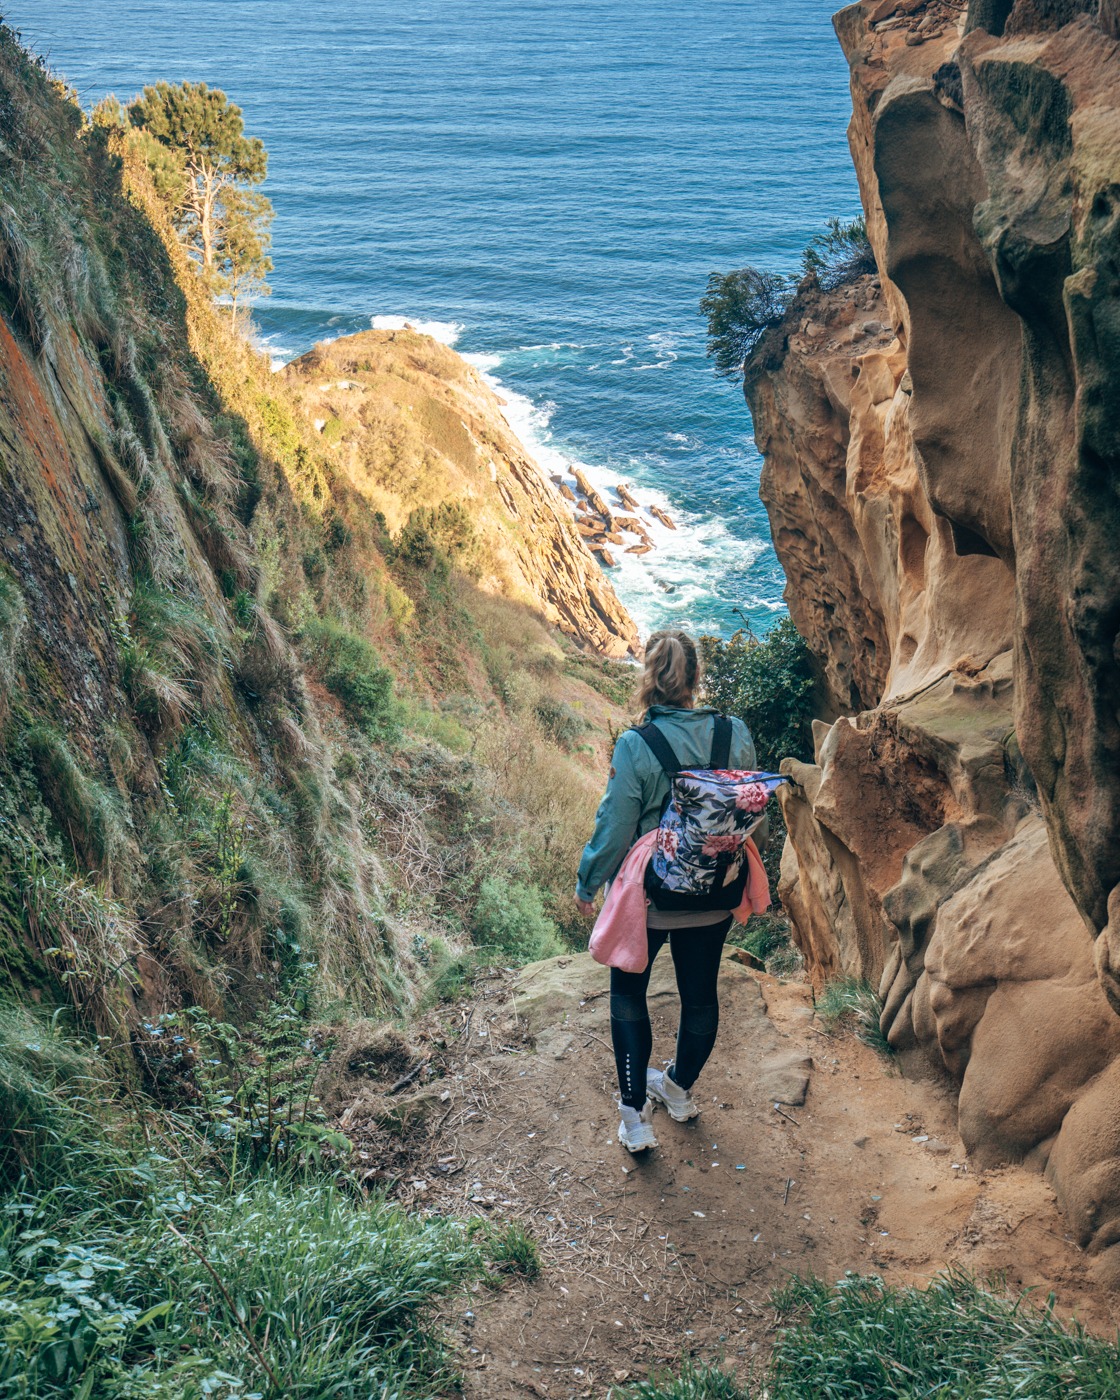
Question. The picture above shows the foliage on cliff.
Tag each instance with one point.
(769, 683)
(742, 306)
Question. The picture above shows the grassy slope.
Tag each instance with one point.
(244, 730)
(261, 763)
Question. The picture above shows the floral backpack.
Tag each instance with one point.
(699, 860)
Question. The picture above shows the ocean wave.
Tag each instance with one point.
(446, 332)
(551, 345)
(484, 363)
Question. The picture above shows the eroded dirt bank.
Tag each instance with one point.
(649, 1260)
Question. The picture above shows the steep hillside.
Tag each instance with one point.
(417, 433)
(941, 453)
(244, 699)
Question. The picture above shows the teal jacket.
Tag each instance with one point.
(637, 786)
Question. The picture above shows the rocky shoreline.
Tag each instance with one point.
(600, 525)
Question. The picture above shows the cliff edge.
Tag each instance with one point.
(941, 449)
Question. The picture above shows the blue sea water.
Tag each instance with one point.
(546, 184)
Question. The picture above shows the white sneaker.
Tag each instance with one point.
(680, 1103)
(635, 1132)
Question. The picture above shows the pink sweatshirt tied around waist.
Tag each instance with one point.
(619, 937)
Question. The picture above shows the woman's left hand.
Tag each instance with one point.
(585, 906)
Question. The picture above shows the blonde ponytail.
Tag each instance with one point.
(671, 673)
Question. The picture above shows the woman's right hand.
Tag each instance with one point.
(585, 906)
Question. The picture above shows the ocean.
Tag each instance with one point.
(545, 186)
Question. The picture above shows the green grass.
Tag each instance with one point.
(137, 1259)
(691, 1383)
(864, 1340)
(850, 1003)
(766, 937)
(514, 1251)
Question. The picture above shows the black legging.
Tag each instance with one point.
(696, 954)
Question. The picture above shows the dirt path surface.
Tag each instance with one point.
(811, 1155)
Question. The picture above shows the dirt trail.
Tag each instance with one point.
(648, 1259)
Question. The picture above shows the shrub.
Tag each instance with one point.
(768, 683)
(445, 531)
(352, 671)
(839, 255)
(559, 721)
(740, 308)
(510, 921)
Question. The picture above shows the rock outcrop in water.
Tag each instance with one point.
(942, 448)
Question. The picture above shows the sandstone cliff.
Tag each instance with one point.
(414, 426)
(942, 449)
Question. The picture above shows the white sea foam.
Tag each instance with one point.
(485, 364)
(446, 332)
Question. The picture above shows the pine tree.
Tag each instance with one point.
(207, 170)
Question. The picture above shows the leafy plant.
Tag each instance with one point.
(740, 308)
(352, 671)
(767, 682)
(510, 922)
(250, 1093)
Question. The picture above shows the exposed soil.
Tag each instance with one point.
(650, 1259)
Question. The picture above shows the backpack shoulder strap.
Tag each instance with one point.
(662, 749)
(721, 742)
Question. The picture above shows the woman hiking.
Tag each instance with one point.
(636, 794)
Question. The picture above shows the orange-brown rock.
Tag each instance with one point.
(941, 446)
(594, 499)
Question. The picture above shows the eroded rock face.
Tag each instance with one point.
(942, 448)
